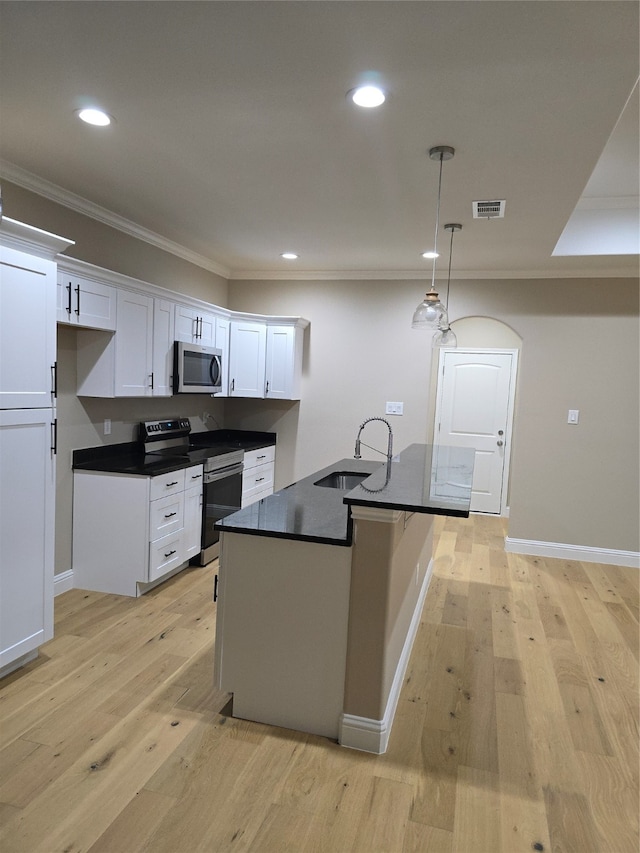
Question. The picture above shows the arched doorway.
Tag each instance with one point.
(474, 396)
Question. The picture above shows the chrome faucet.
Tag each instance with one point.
(389, 452)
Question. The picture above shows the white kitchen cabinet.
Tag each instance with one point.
(85, 302)
(120, 364)
(258, 474)
(27, 438)
(284, 362)
(130, 531)
(28, 330)
(163, 337)
(247, 358)
(194, 326)
(27, 494)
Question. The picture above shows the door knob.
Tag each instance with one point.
(500, 432)
(500, 443)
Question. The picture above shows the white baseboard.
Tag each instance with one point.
(369, 735)
(560, 551)
(63, 582)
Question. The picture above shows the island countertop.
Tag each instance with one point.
(423, 478)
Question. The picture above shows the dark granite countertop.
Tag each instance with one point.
(130, 458)
(423, 478)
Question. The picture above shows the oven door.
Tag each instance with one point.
(222, 495)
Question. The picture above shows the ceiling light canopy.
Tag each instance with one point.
(94, 116)
(289, 256)
(431, 313)
(368, 96)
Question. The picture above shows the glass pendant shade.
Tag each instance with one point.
(444, 338)
(430, 314)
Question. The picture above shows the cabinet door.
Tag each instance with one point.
(26, 532)
(134, 345)
(84, 302)
(186, 324)
(207, 329)
(27, 330)
(280, 362)
(163, 324)
(247, 356)
(192, 532)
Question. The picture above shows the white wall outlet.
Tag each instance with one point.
(394, 409)
(573, 417)
(107, 426)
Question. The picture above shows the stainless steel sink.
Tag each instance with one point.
(345, 480)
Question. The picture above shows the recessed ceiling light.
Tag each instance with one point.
(367, 96)
(92, 115)
(289, 256)
(431, 255)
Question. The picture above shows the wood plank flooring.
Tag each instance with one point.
(516, 730)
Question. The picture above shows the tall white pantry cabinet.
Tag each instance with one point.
(27, 438)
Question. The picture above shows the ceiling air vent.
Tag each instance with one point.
(488, 209)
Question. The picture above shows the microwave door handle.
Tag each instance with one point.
(215, 370)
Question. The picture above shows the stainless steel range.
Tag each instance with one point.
(222, 491)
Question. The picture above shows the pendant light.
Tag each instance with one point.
(431, 313)
(445, 336)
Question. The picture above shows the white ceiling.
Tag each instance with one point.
(234, 140)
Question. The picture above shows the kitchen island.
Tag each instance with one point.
(320, 591)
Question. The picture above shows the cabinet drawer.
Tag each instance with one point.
(193, 476)
(167, 484)
(260, 456)
(257, 480)
(166, 515)
(165, 555)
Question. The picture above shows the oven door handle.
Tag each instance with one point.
(214, 476)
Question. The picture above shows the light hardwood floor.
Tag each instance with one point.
(516, 730)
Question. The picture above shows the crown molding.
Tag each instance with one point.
(417, 275)
(40, 186)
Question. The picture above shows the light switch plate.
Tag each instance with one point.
(574, 415)
(394, 409)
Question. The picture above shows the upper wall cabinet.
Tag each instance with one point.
(247, 358)
(85, 302)
(195, 327)
(284, 362)
(127, 329)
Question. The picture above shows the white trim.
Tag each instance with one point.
(63, 582)
(419, 275)
(23, 237)
(369, 735)
(18, 662)
(47, 189)
(582, 553)
(40, 186)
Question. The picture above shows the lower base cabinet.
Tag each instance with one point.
(258, 474)
(27, 489)
(130, 531)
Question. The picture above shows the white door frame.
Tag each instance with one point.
(504, 508)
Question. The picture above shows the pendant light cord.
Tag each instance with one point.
(435, 239)
(446, 304)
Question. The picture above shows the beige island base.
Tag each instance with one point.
(316, 637)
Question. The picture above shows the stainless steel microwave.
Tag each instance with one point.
(196, 369)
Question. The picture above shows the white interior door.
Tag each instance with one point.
(474, 408)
